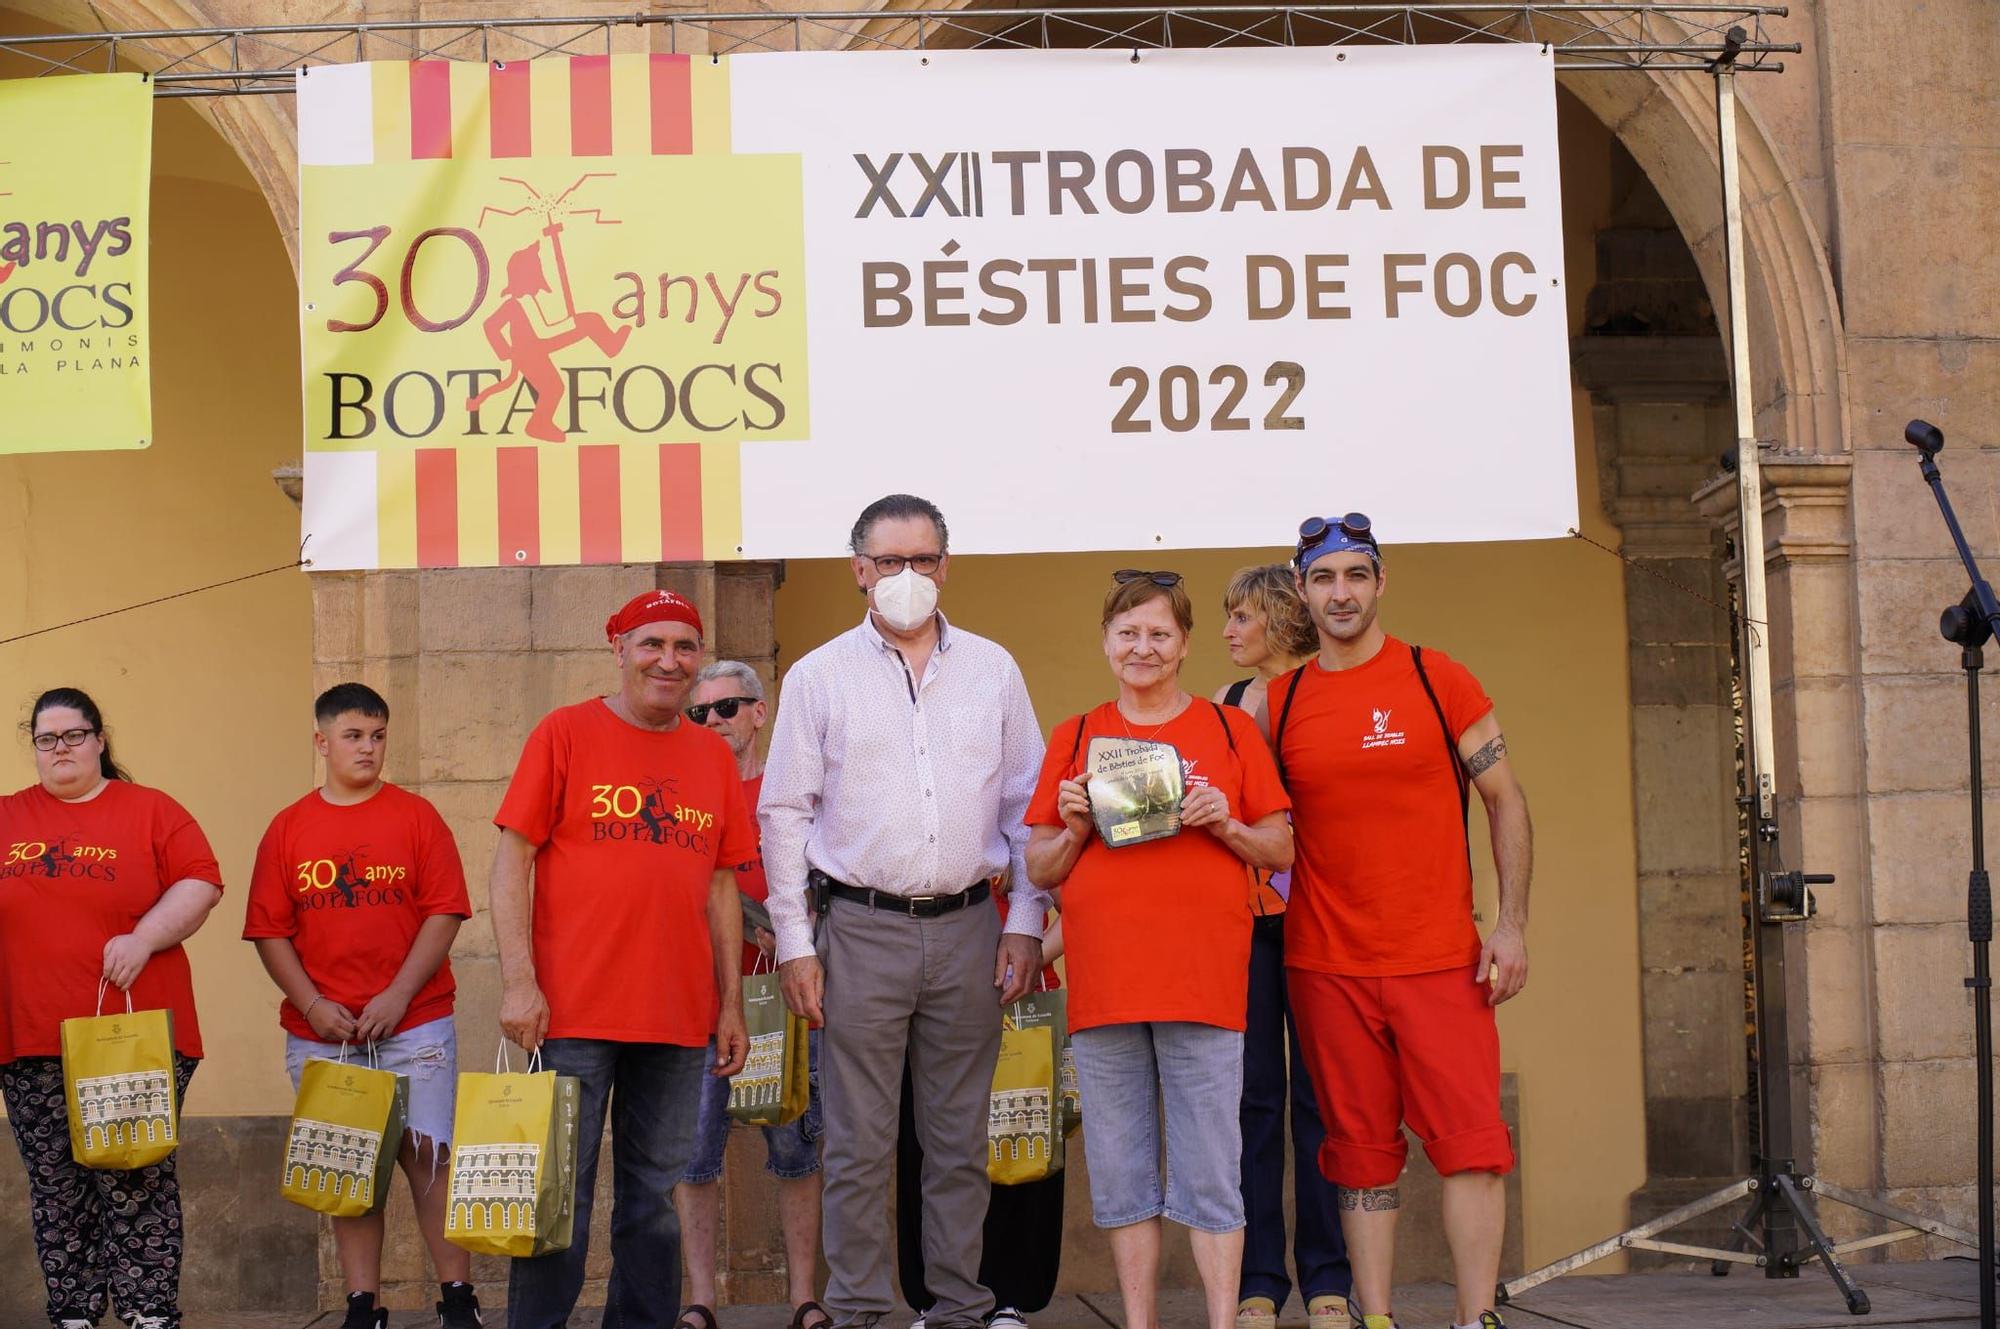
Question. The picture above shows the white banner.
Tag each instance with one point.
(1171, 299)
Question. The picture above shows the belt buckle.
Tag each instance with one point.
(917, 902)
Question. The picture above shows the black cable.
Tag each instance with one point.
(300, 562)
(1654, 573)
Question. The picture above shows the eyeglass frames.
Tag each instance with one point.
(69, 738)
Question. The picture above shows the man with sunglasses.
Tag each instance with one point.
(1380, 745)
(728, 698)
(902, 760)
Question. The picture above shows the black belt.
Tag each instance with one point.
(916, 906)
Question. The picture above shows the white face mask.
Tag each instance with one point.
(907, 600)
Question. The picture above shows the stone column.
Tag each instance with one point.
(469, 659)
(1661, 414)
(1817, 721)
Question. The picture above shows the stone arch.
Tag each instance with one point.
(1797, 350)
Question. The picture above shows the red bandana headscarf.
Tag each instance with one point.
(652, 607)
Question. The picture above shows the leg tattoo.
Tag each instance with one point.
(1370, 1200)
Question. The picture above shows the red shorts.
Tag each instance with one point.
(1421, 1048)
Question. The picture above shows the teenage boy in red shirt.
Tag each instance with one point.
(355, 899)
(1380, 744)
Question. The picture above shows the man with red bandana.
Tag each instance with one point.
(629, 821)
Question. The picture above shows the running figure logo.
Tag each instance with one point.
(657, 812)
(526, 339)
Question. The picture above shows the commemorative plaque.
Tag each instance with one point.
(1135, 790)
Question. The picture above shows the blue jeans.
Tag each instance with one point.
(791, 1151)
(1318, 1252)
(651, 1090)
(1126, 1074)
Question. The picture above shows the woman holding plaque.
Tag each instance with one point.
(1148, 811)
(1267, 630)
(100, 882)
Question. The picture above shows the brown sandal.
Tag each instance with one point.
(696, 1316)
(806, 1308)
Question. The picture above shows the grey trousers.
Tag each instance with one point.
(898, 986)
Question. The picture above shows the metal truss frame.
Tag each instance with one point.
(229, 62)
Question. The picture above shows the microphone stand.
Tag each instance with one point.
(1971, 623)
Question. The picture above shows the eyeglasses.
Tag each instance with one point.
(1126, 576)
(724, 707)
(1355, 526)
(69, 738)
(891, 564)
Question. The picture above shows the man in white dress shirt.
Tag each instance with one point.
(901, 763)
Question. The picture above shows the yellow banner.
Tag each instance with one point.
(74, 229)
(543, 305)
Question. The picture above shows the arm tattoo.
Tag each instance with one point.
(1373, 1200)
(1487, 757)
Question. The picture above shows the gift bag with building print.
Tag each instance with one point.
(347, 1127)
(118, 1083)
(513, 1162)
(1024, 1138)
(1072, 1097)
(775, 1085)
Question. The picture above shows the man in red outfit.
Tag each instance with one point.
(1380, 744)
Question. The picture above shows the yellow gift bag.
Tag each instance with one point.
(513, 1161)
(775, 1085)
(1024, 1136)
(347, 1127)
(118, 1083)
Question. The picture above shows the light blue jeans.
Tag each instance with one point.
(1125, 1074)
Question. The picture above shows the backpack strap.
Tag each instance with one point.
(1278, 729)
(1076, 745)
(1234, 697)
(1458, 774)
(1223, 719)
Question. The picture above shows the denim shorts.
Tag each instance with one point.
(791, 1151)
(427, 1054)
(1125, 1074)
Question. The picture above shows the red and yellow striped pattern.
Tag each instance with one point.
(554, 503)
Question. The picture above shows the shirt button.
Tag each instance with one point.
(933, 839)
(927, 793)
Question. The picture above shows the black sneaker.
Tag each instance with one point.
(460, 1307)
(363, 1313)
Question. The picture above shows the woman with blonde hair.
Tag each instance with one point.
(1267, 630)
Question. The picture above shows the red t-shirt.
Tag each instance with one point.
(1381, 885)
(629, 824)
(72, 877)
(351, 885)
(750, 873)
(1158, 931)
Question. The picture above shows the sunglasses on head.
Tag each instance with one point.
(1355, 526)
(724, 707)
(1125, 576)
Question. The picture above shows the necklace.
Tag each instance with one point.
(1127, 725)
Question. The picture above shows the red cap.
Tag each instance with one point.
(652, 607)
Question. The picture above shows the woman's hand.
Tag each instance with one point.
(124, 957)
(1073, 806)
(1205, 805)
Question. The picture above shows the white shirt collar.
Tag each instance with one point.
(875, 633)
